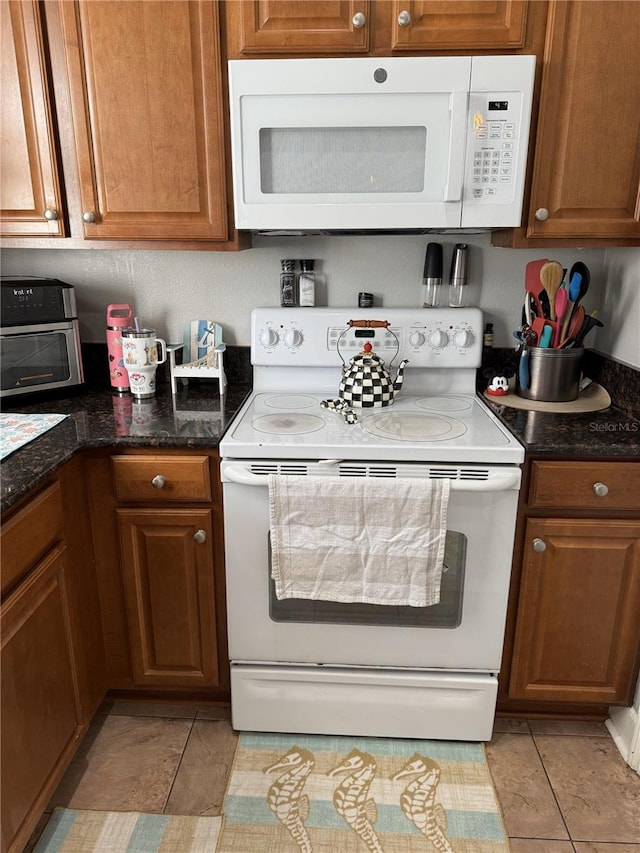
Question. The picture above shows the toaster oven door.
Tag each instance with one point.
(35, 358)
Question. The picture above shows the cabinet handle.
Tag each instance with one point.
(541, 214)
(601, 489)
(539, 545)
(158, 481)
(200, 536)
(88, 216)
(51, 214)
(404, 18)
(359, 20)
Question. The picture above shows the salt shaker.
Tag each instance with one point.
(307, 284)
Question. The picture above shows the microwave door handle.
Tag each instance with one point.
(458, 106)
(497, 483)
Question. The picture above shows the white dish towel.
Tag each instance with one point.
(369, 540)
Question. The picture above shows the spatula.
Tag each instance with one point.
(533, 284)
(562, 300)
(551, 278)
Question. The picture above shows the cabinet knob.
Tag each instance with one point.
(404, 18)
(88, 216)
(158, 481)
(601, 489)
(200, 536)
(541, 214)
(539, 545)
(51, 214)
(359, 20)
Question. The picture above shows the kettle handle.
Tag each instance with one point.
(370, 324)
(367, 324)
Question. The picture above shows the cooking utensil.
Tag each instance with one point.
(589, 322)
(551, 279)
(574, 293)
(546, 337)
(574, 327)
(562, 300)
(533, 284)
(585, 278)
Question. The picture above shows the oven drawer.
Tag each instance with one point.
(366, 702)
(588, 485)
(161, 479)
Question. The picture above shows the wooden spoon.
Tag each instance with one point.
(551, 276)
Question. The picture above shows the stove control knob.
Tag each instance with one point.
(438, 339)
(268, 337)
(463, 338)
(293, 338)
(416, 339)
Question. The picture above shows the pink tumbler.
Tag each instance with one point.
(119, 317)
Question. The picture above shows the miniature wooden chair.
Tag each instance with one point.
(203, 355)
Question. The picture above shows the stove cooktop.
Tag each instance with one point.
(421, 428)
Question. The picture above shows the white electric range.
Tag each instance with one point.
(313, 666)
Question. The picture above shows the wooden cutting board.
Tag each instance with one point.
(592, 399)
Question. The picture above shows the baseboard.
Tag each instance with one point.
(624, 727)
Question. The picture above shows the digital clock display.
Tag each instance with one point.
(365, 333)
(499, 105)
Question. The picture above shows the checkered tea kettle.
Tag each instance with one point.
(365, 381)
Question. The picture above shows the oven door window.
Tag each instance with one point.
(34, 360)
(446, 614)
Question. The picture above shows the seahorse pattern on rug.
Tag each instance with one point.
(351, 798)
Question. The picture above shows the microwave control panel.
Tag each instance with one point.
(492, 146)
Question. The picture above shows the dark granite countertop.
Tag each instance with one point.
(612, 432)
(196, 417)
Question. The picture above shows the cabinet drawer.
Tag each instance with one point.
(605, 485)
(30, 533)
(161, 478)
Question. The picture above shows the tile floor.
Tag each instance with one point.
(563, 787)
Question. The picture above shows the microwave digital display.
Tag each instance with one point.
(499, 105)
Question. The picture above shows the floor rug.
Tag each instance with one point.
(321, 794)
(75, 831)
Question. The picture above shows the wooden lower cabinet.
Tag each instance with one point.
(167, 571)
(572, 643)
(41, 718)
(577, 635)
(157, 531)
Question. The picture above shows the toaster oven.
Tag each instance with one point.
(39, 336)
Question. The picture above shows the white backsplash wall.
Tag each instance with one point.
(620, 312)
(169, 288)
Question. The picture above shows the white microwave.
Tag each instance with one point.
(380, 144)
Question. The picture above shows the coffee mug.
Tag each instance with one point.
(140, 348)
(142, 381)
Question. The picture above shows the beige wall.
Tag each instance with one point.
(169, 288)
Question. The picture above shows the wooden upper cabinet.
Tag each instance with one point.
(586, 178)
(147, 112)
(31, 200)
(379, 27)
(301, 27)
(464, 25)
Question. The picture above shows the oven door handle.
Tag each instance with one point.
(497, 483)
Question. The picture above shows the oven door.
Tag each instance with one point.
(35, 358)
(463, 633)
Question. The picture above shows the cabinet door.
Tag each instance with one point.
(29, 181)
(146, 99)
(586, 179)
(297, 27)
(168, 573)
(40, 709)
(577, 636)
(474, 24)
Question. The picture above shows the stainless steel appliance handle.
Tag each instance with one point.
(497, 483)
